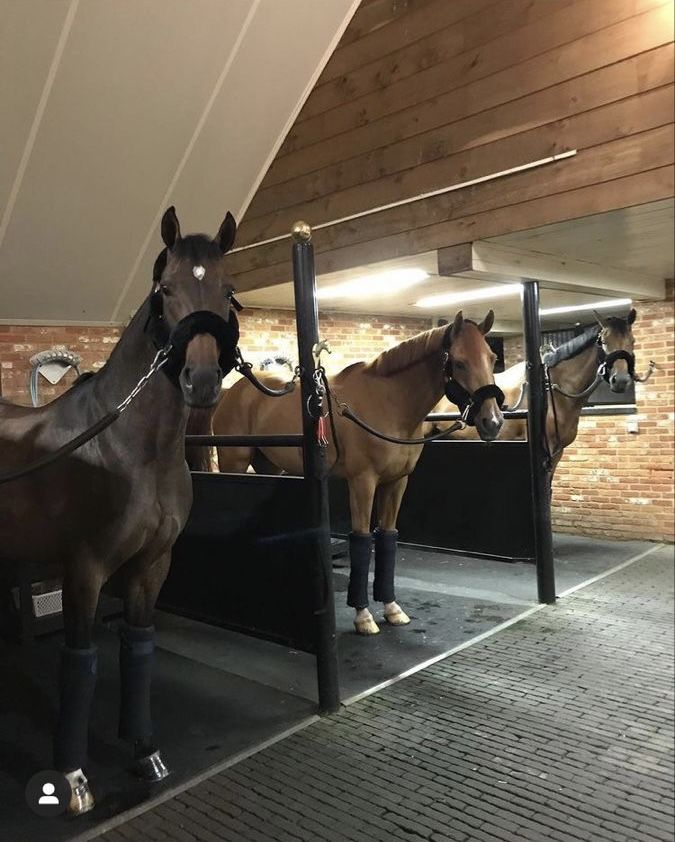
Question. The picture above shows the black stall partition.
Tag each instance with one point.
(465, 497)
(245, 558)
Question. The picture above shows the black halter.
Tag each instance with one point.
(226, 333)
(469, 403)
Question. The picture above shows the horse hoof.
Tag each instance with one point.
(397, 618)
(151, 768)
(366, 626)
(81, 799)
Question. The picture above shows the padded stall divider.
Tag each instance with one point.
(468, 498)
(244, 559)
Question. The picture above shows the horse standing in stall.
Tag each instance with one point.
(111, 510)
(394, 393)
(604, 351)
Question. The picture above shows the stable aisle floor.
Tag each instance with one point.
(559, 728)
(218, 693)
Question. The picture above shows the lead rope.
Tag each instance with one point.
(551, 455)
(246, 370)
(103, 423)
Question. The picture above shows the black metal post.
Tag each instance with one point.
(536, 432)
(318, 521)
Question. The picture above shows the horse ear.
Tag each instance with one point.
(631, 316)
(226, 233)
(599, 318)
(170, 227)
(458, 322)
(486, 325)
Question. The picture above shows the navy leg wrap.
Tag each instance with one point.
(76, 683)
(137, 651)
(385, 562)
(360, 545)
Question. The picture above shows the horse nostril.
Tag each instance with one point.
(187, 377)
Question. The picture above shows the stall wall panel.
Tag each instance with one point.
(465, 497)
(244, 560)
(451, 99)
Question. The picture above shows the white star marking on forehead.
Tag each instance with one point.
(198, 272)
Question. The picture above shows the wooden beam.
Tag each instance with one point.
(619, 192)
(602, 163)
(455, 259)
(559, 272)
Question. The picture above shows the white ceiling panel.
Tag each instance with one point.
(152, 103)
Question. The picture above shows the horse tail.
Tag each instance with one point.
(199, 458)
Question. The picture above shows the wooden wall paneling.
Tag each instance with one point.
(634, 75)
(442, 44)
(373, 15)
(581, 131)
(571, 27)
(420, 19)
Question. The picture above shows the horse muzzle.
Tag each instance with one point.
(473, 406)
(200, 379)
(619, 381)
(201, 385)
(489, 420)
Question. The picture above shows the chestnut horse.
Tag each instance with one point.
(110, 511)
(573, 368)
(393, 393)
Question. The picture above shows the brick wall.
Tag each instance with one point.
(610, 482)
(18, 343)
(264, 333)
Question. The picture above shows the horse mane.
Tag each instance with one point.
(82, 378)
(409, 352)
(572, 348)
(347, 370)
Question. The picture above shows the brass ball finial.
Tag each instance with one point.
(301, 232)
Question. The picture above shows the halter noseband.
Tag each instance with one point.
(608, 360)
(469, 403)
(176, 339)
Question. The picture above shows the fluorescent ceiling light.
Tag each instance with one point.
(368, 286)
(450, 299)
(598, 305)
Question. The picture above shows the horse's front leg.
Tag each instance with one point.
(137, 652)
(81, 589)
(389, 496)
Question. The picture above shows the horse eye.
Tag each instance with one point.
(166, 289)
(460, 365)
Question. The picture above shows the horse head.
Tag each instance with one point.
(193, 309)
(618, 342)
(469, 373)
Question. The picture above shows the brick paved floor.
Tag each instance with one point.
(558, 728)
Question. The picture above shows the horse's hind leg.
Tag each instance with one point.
(234, 460)
(137, 649)
(389, 498)
(361, 494)
(81, 591)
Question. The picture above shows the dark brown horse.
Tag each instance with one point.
(111, 511)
